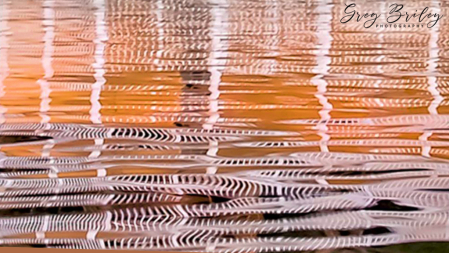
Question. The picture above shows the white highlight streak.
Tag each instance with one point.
(101, 37)
(47, 58)
(322, 68)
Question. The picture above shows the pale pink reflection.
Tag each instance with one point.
(217, 63)
(98, 65)
(432, 64)
(322, 69)
(99, 72)
(47, 57)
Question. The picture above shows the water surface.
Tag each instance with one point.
(221, 126)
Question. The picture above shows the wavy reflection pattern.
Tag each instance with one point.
(220, 126)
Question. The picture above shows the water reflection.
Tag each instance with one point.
(4, 67)
(222, 126)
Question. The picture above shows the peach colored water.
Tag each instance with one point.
(221, 126)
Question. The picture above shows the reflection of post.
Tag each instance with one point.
(4, 67)
(432, 80)
(322, 68)
(218, 30)
(98, 65)
(47, 58)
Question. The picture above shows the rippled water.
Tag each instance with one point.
(222, 126)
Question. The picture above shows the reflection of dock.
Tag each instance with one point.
(219, 125)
